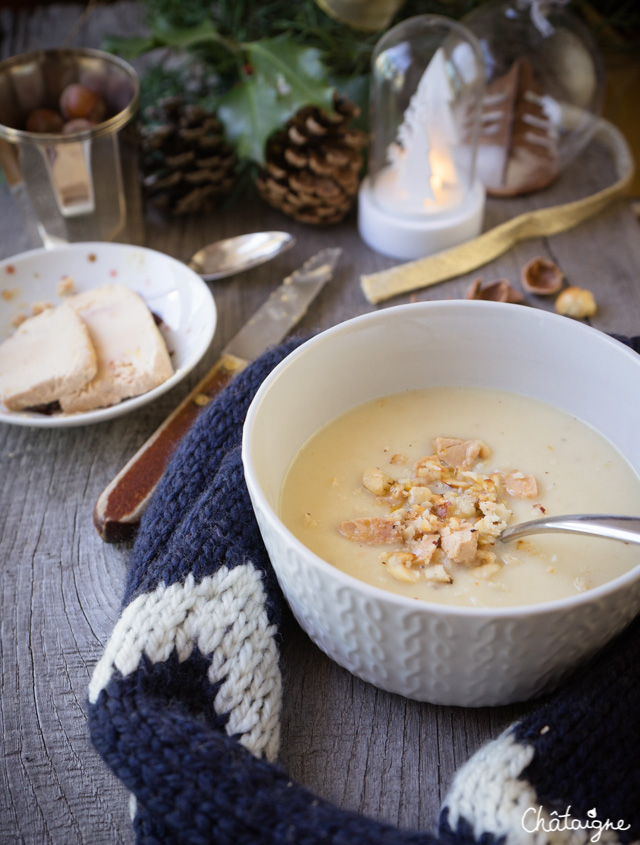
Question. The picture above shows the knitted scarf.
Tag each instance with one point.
(184, 704)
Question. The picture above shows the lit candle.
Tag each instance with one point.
(419, 196)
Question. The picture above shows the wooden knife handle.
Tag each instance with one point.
(120, 506)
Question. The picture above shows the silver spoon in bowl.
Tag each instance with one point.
(233, 255)
(623, 528)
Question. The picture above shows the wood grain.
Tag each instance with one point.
(366, 750)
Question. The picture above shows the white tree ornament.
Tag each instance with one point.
(421, 175)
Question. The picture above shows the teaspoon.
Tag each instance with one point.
(233, 255)
(624, 528)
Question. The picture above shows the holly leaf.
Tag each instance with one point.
(249, 113)
(282, 77)
(128, 48)
(166, 35)
(297, 73)
(182, 38)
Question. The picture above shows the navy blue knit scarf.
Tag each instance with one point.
(184, 705)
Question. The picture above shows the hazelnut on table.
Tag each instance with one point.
(576, 302)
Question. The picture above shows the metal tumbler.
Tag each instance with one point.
(79, 186)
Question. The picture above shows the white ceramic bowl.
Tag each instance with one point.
(172, 291)
(426, 651)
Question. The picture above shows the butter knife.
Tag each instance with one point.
(120, 506)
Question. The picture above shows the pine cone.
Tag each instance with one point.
(187, 165)
(313, 164)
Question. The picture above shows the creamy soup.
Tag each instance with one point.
(409, 492)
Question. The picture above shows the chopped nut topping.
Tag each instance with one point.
(446, 515)
(428, 470)
(376, 482)
(437, 573)
(424, 548)
(495, 518)
(399, 565)
(420, 496)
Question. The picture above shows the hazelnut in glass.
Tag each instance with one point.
(44, 120)
(78, 101)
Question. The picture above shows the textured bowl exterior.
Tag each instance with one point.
(429, 652)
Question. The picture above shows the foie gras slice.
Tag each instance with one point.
(49, 354)
(132, 355)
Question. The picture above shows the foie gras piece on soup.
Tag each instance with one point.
(409, 493)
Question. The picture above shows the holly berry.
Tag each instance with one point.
(79, 101)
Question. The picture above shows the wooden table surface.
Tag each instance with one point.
(61, 585)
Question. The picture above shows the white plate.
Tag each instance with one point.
(173, 292)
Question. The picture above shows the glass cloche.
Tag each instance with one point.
(421, 194)
(544, 92)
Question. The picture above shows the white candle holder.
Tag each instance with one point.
(421, 195)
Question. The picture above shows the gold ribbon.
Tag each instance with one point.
(532, 224)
